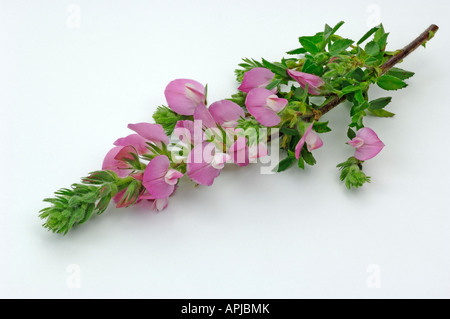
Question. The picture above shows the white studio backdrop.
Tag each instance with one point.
(73, 74)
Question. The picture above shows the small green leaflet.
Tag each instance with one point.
(372, 48)
(351, 134)
(381, 113)
(308, 157)
(368, 34)
(380, 103)
(297, 51)
(354, 88)
(400, 73)
(289, 131)
(391, 83)
(308, 44)
(321, 127)
(285, 163)
(273, 84)
(339, 46)
(329, 32)
(275, 68)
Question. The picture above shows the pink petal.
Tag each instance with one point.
(111, 164)
(202, 114)
(369, 136)
(135, 140)
(256, 78)
(256, 103)
(370, 147)
(226, 113)
(239, 152)
(184, 95)
(160, 204)
(189, 132)
(152, 132)
(199, 169)
(299, 146)
(126, 153)
(314, 82)
(154, 175)
(313, 141)
(172, 176)
(275, 103)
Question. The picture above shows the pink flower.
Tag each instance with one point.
(313, 81)
(311, 139)
(226, 113)
(159, 179)
(366, 143)
(146, 133)
(239, 152)
(264, 106)
(115, 160)
(256, 78)
(183, 95)
(205, 162)
(156, 204)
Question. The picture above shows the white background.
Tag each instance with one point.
(67, 93)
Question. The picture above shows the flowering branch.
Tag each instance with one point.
(280, 102)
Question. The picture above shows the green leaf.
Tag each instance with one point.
(381, 113)
(380, 37)
(400, 73)
(285, 164)
(321, 127)
(372, 48)
(390, 83)
(358, 74)
(368, 34)
(309, 45)
(339, 46)
(275, 68)
(273, 84)
(358, 108)
(312, 68)
(371, 61)
(353, 88)
(289, 131)
(379, 103)
(301, 162)
(308, 157)
(336, 27)
(351, 134)
(330, 31)
(296, 51)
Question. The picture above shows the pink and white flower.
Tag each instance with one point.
(366, 143)
(312, 140)
(205, 162)
(159, 179)
(313, 81)
(184, 95)
(146, 133)
(256, 78)
(265, 106)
